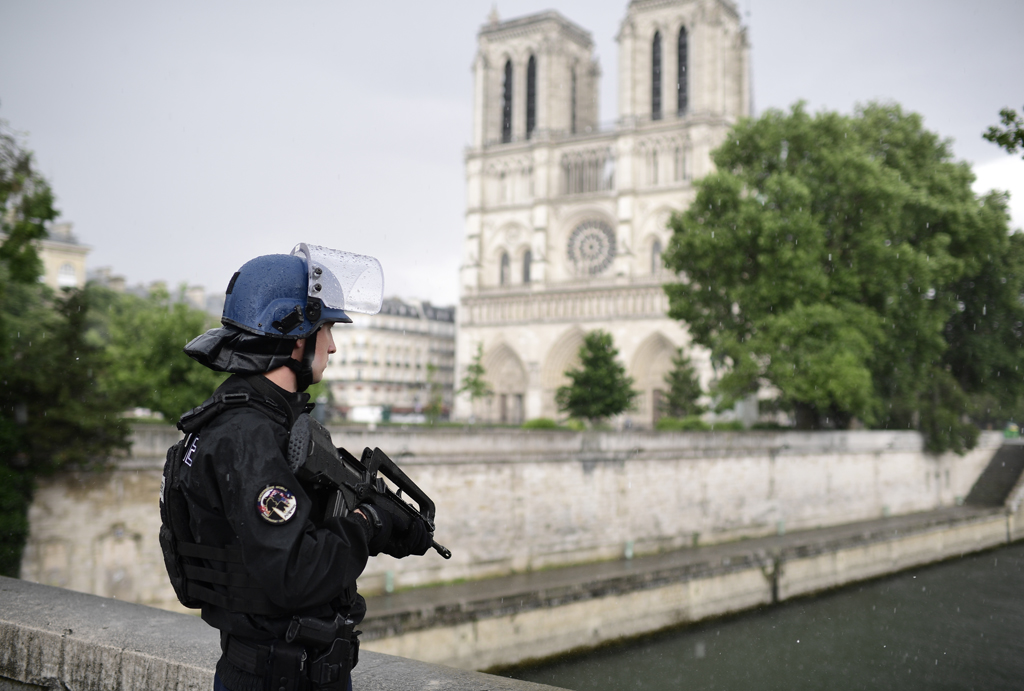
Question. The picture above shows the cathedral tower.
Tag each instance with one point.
(566, 219)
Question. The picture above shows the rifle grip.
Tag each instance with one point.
(379, 462)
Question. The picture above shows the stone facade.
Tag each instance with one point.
(393, 358)
(566, 220)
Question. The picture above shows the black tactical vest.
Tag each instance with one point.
(193, 582)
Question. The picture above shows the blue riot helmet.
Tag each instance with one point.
(276, 299)
(269, 296)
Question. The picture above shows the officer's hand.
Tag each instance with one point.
(414, 539)
(381, 526)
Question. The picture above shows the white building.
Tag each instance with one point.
(566, 220)
(390, 360)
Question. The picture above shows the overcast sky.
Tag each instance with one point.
(184, 138)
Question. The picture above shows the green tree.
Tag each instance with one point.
(1011, 137)
(27, 203)
(52, 412)
(845, 261)
(144, 338)
(435, 396)
(474, 383)
(683, 388)
(599, 387)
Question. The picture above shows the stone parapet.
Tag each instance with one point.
(51, 638)
(424, 445)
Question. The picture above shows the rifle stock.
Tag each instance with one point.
(351, 481)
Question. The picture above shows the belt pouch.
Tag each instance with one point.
(330, 671)
(285, 671)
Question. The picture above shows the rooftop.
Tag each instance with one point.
(416, 309)
(496, 27)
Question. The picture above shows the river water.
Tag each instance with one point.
(955, 625)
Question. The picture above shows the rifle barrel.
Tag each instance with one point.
(441, 549)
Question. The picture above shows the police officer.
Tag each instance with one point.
(268, 570)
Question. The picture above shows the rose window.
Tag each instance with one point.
(592, 247)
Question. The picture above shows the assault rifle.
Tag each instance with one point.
(350, 481)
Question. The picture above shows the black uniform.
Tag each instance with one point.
(231, 481)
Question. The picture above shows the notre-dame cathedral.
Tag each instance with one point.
(566, 218)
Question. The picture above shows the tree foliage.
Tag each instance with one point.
(434, 408)
(52, 412)
(144, 337)
(683, 389)
(1011, 136)
(845, 261)
(474, 382)
(599, 388)
(27, 205)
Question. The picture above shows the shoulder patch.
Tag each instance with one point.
(276, 504)
(191, 449)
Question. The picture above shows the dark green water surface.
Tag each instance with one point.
(956, 625)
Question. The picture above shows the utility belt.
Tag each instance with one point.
(315, 655)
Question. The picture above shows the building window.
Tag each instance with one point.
(66, 276)
(656, 77)
(652, 167)
(506, 265)
(679, 164)
(656, 258)
(506, 105)
(531, 96)
(504, 193)
(681, 80)
(527, 260)
(572, 103)
(588, 171)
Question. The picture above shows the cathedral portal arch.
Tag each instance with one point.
(564, 354)
(651, 362)
(505, 373)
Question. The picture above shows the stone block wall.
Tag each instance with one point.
(54, 639)
(511, 501)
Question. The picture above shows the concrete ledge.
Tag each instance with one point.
(512, 620)
(51, 638)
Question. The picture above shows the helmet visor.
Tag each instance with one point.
(342, 280)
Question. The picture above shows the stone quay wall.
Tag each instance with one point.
(580, 608)
(512, 501)
(56, 639)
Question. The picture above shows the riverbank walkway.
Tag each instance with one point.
(450, 603)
